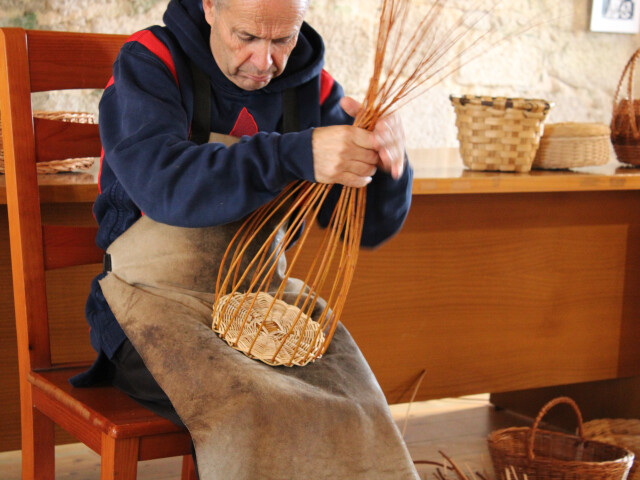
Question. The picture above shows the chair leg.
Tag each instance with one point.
(119, 458)
(38, 446)
(188, 468)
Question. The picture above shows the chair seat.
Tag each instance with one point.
(107, 408)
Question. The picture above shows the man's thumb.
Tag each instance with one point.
(351, 106)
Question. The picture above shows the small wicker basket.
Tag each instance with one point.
(58, 166)
(546, 455)
(498, 133)
(625, 121)
(570, 145)
(618, 431)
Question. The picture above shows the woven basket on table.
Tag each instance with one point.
(569, 145)
(58, 166)
(498, 133)
(625, 121)
(546, 455)
(618, 431)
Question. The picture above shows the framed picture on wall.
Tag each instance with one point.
(618, 16)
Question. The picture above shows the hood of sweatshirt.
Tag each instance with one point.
(185, 20)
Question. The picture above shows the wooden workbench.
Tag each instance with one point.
(497, 282)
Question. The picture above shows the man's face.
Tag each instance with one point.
(251, 40)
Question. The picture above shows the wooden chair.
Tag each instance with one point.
(103, 418)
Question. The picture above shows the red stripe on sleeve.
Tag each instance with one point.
(326, 84)
(159, 49)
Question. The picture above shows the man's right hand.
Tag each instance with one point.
(343, 154)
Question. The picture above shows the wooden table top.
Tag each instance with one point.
(440, 171)
(437, 171)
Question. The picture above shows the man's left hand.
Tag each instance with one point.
(389, 139)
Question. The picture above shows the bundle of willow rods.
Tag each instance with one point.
(250, 293)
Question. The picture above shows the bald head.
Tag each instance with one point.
(251, 40)
(225, 3)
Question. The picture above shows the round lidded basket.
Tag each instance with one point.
(546, 455)
(570, 145)
(58, 166)
(624, 432)
(498, 133)
(625, 120)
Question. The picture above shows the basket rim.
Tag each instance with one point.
(576, 130)
(502, 102)
(494, 447)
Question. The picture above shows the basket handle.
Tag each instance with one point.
(630, 67)
(543, 412)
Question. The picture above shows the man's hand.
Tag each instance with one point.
(343, 154)
(350, 155)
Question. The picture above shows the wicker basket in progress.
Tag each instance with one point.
(546, 455)
(569, 145)
(498, 133)
(277, 335)
(58, 166)
(625, 120)
(625, 131)
(618, 431)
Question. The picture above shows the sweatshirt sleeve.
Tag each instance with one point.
(388, 200)
(144, 132)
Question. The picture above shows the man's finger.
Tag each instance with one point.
(351, 106)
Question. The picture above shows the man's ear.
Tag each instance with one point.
(209, 11)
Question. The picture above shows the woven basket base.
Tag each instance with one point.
(627, 153)
(286, 337)
(571, 152)
(557, 456)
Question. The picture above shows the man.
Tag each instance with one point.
(252, 52)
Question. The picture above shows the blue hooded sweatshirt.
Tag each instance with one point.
(150, 165)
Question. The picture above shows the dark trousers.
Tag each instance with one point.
(132, 377)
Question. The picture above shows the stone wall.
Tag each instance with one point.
(559, 59)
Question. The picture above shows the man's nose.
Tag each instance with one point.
(262, 56)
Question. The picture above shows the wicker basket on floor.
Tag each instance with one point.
(625, 121)
(618, 431)
(546, 455)
(58, 166)
(498, 133)
(570, 145)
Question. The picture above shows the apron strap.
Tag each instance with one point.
(290, 116)
(201, 124)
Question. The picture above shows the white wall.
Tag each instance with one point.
(560, 60)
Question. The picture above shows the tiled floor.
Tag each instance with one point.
(457, 427)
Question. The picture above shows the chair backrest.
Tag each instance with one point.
(36, 61)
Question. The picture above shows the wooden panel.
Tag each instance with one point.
(68, 293)
(58, 140)
(604, 399)
(486, 292)
(495, 292)
(59, 239)
(66, 296)
(73, 67)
